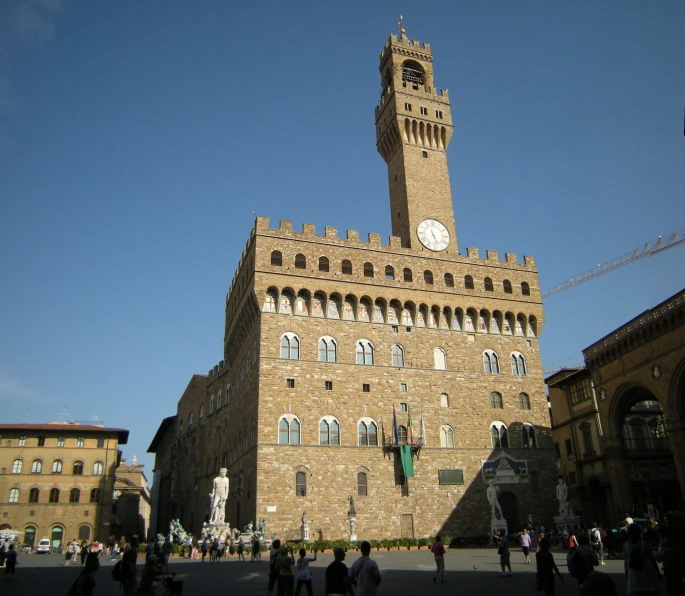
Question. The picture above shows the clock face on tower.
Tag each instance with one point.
(433, 234)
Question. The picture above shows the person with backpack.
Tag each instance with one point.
(641, 569)
(596, 542)
(273, 566)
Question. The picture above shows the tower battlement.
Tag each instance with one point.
(394, 245)
(401, 43)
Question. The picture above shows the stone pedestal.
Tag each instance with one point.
(353, 533)
(498, 526)
(304, 529)
(568, 520)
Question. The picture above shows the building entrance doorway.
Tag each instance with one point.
(510, 511)
(407, 525)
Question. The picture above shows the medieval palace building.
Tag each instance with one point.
(406, 375)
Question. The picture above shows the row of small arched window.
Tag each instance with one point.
(74, 495)
(301, 484)
(491, 363)
(407, 275)
(37, 467)
(289, 433)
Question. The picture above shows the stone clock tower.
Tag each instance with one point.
(413, 131)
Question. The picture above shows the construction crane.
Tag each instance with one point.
(648, 250)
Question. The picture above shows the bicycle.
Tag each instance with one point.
(172, 587)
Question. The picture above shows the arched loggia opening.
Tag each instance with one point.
(648, 454)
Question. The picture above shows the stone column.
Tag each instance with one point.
(618, 475)
(353, 534)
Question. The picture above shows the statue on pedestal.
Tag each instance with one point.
(492, 493)
(218, 498)
(562, 497)
(351, 512)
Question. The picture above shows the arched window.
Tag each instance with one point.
(528, 436)
(389, 273)
(362, 485)
(524, 401)
(487, 282)
(397, 356)
(34, 493)
(57, 466)
(289, 431)
(525, 288)
(368, 433)
(201, 416)
(440, 359)
(327, 349)
(347, 267)
(276, 258)
(498, 432)
(36, 466)
(300, 261)
(364, 352)
(54, 495)
(180, 427)
(368, 270)
(94, 495)
(78, 468)
(402, 434)
(446, 437)
(323, 264)
(74, 495)
(97, 468)
(490, 362)
(290, 347)
(17, 466)
(301, 484)
(468, 282)
(428, 277)
(449, 280)
(518, 364)
(14, 495)
(496, 400)
(407, 275)
(190, 421)
(211, 409)
(30, 535)
(84, 533)
(506, 284)
(329, 431)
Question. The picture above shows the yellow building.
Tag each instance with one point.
(57, 480)
(619, 424)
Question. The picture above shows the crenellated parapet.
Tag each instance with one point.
(394, 245)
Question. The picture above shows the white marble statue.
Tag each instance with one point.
(562, 497)
(218, 498)
(493, 492)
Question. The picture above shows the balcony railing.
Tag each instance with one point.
(638, 446)
(414, 443)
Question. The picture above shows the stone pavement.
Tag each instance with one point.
(405, 573)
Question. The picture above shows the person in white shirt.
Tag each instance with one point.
(365, 573)
(525, 544)
(304, 577)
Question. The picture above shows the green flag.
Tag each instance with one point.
(407, 463)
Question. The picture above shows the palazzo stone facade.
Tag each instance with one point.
(340, 351)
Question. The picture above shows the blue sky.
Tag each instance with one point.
(137, 139)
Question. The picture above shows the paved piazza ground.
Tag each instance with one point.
(468, 571)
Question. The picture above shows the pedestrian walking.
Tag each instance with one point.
(525, 545)
(68, 555)
(596, 542)
(438, 550)
(640, 567)
(364, 573)
(503, 552)
(128, 568)
(546, 568)
(10, 562)
(337, 577)
(204, 549)
(84, 552)
(304, 576)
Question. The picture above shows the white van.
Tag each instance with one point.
(44, 546)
